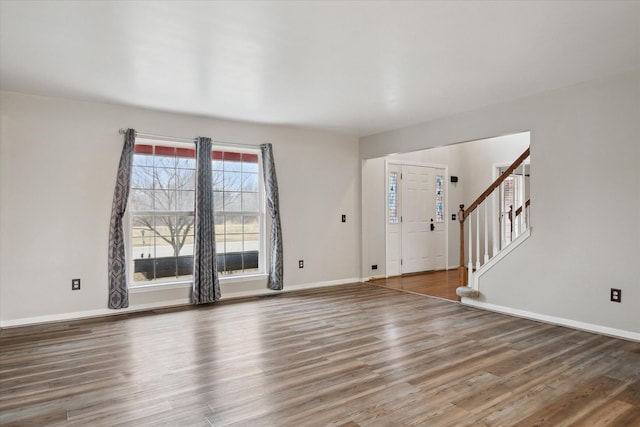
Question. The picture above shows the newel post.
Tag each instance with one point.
(462, 270)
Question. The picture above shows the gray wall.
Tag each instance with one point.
(58, 165)
(586, 187)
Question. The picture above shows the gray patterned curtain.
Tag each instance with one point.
(206, 288)
(275, 281)
(118, 291)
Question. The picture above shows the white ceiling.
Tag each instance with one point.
(353, 67)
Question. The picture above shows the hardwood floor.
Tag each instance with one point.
(441, 284)
(353, 355)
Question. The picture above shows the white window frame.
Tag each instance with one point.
(261, 214)
(170, 282)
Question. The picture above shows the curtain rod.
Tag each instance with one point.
(177, 139)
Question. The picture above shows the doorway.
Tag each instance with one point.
(416, 226)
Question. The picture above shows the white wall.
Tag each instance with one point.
(585, 192)
(479, 159)
(58, 164)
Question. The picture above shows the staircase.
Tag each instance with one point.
(497, 219)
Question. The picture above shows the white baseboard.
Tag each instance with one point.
(604, 330)
(291, 288)
(583, 326)
(377, 276)
(78, 315)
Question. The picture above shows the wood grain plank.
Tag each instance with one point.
(352, 355)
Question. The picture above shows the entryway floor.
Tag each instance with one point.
(441, 284)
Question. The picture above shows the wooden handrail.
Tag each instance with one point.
(526, 205)
(495, 184)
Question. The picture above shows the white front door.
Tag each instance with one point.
(415, 234)
(418, 207)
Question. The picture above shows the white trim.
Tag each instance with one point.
(78, 315)
(288, 288)
(589, 327)
(379, 276)
(152, 287)
(151, 138)
(163, 286)
(446, 216)
(385, 189)
(239, 278)
(575, 324)
(496, 259)
(261, 214)
(422, 164)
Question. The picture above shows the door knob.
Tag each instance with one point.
(433, 227)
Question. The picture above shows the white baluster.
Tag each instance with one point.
(503, 219)
(529, 208)
(514, 207)
(477, 239)
(523, 224)
(495, 223)
(486, 232)
(470, 268)
(525, 212)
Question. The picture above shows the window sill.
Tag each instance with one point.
(243, 278)
(188, 283)
(149, 287)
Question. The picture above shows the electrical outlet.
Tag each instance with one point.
(616, 295)
(374, 267)
(75, 284)
(344, 218)
(301, 264)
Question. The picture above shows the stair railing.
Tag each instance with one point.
(519, 221)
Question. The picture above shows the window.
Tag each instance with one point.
(161, 211)
(439, 198)
(238, 208)
(161, 206)
(510, 200)
(393, 197)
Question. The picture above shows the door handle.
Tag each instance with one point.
(433, 227)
